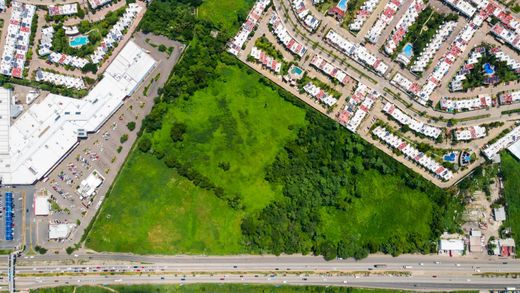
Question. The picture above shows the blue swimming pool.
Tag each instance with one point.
(78, 41)
(450, 157)
(342, 4)
(489, 69)
(408, 50)
(466, 158)
(296, 70)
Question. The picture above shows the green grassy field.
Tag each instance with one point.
(235, 129)
(405, 211)
(237, 121)
(228, 13)
(244, 123)
(153, 210)
(210, 288)
(511, 172)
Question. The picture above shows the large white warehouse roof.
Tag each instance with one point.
(47, 131)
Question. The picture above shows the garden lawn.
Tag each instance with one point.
(230, 14)
(151, 209)
(511, 172)
(385, 209)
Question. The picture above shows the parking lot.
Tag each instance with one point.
(17, 217)
(103, 152)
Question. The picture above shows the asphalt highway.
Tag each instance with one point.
(416, 283)
(417, 272)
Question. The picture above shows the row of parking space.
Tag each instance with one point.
(9, 213)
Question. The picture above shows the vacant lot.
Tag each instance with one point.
(235, 128)
(229, 14)
(511, 172)
(251, 169)
(236, 121)
(385, 209)
(153, 210)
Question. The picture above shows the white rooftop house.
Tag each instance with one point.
(17, 39)
(463, 7)
(433, 46)
(469, 104)
(411, 88)
(457, 47)
(507, 98)
(400, 30)
(98, 3)
(64, 59)
(310, 22)
(470, 133)
(330, 69)
(320, 95)
(509, 36)
(366, 98)
(267, 61)
(363, 14)
(357, 107)
(412, 153)
(357, 52)
(60, 79)
(66, 9)
(415, 125)
(384, 19)
(236, 44)
(284, 37)
(509, 139)
(42, 136)
(71, 30)
(46, 41)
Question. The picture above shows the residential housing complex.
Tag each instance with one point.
(359, 68)
(17, 42)
(470, 133)
(66, 9)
